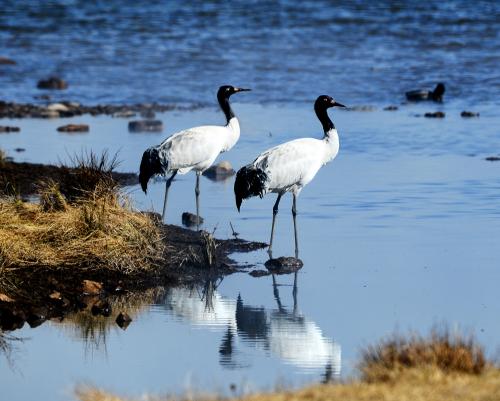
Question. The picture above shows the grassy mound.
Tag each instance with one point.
(82, 222)
(97, 232)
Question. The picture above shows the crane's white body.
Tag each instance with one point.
(292, 165)
(197, 148)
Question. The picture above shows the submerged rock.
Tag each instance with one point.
(148, 114)
(145, 126)
(74, 128)
(7, 129)
(7, 61)
(52, 83)
(468, 114)
(190, 219)
(419, 95)
(284, 265)
(219, 171)
(124, 114)
(123, 320)
(492, 158)
(435, 114)
(391, 108)
(259, 273)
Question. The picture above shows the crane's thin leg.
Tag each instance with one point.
(294, 214)
(167, 186)
(197, 193)
(275, 212)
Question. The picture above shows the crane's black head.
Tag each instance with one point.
(325, 102)
(223, 95)
(226, 91)
(321, 104)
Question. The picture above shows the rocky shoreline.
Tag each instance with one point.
(65, 109)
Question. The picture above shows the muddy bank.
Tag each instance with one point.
(33, 296)
(72, 109)
(23, 179)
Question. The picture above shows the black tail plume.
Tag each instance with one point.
(250, 181)
(150, 165)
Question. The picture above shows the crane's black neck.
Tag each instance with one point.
(322, 114)
(225, 106)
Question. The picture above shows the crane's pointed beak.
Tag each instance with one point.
(241, 90)
(337, 104)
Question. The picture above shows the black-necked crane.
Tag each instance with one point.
(192, 149)
(290, 166)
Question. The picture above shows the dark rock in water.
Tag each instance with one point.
(123, 320)
(493, 158)
(219, 171)
(419, 95)
(7, 61)
(19, 150)
(101, 308)
(436, 114)
(468, 114)
(36, 319)
(124, 114)
(284, 265)
(391, 108)
(74, 128)
(5, 128)
(190, 219)
(259, 273)
(145, 126)
(52, 83)
(148, 114)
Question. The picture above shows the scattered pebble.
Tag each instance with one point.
(7, 61)
(4, 129)
(391, 108)
(284, 265)
(219, 171)
(52, 83)
(469, 114)
(74, 128)
(190, 219)
(145, 126)
(124, 114)
(435, 114)
(123, 320)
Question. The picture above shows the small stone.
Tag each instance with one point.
(190, 219)
(52, 83)
(7, 61)
(101, 308)
(469, 114)
(5, 128)
(5, 298)
(19, 150)
(284, 265)
(391, 108)
(145, 126)
(436, 114)
(123, 320)
(56, 295)
(124, 114)
(74, 128)
(57, 107)
(259, 273)
(493, 158)
(220, 171)
(148, 113)
(91, 287)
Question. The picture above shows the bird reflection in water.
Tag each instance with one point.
(283, 332)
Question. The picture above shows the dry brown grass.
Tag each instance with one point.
(441, 350)
(97, 232)
(422, 384)
(3, 157)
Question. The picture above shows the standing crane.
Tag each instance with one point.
(192, 149)
(290, 166)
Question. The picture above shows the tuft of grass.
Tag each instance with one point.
(98, 232)
(3, 158)
(88, 172)
(441, 350)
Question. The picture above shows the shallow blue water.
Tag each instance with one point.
(287, 51)
(400, 232)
